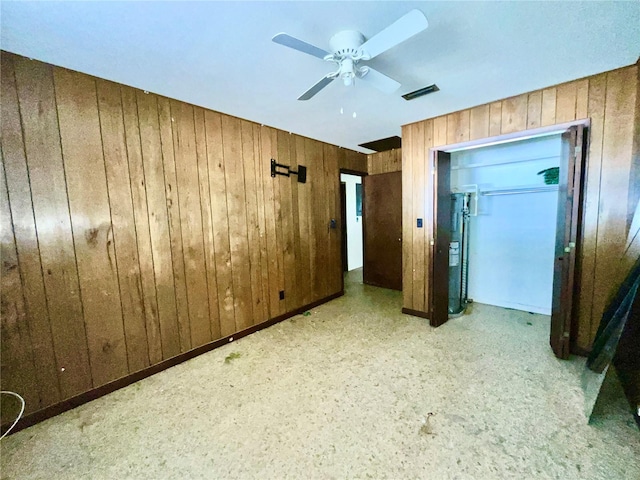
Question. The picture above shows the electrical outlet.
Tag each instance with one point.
(281, 294)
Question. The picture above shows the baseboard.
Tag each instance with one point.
(76, 401)
(415, 313)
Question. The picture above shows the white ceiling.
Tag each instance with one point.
(220, 55)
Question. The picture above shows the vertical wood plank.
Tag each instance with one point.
(305, 213)
(617, 157)
(495, 118)
(236, 200)
(582, 98)
(141, 216)
(332, 189)
(439, 131)
(262, 175)
(124, 227)
(534, 109)
(219, 215)
(191, 222)
(398, 159)
(418, 149)
(207, 223)
(458, 127)
(356, 161)
(284, 185)
(295, 225)
(156, 143)
(514, 114)
(566, 102)
(407, 214)
(253, 228)
(18, 368)
(24, 230)
(548, 113)
(330, 155)
(270, 221)
(591, 204)
(277, 205)
(370, 165)
(428, 213)
(91, 224)
(383, 162)
(53, 224)
(318, 227)
(479, 122)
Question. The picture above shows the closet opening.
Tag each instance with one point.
(507, 219)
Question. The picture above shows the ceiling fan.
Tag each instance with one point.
(350, 48)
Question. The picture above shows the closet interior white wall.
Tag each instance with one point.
(512, 233)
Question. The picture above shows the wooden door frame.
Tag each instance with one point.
(361, 175)
(344, 244)
(432, 162)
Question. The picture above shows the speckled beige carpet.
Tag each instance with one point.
(344, 393)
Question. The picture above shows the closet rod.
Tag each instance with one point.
(503, 162)
(516, 191)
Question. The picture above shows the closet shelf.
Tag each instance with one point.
(504, 162)
(520, 190)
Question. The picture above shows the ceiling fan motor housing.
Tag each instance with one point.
(346, 52)
(346, 43)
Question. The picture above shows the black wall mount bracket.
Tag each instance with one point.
(280, 169)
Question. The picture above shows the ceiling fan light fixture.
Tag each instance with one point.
(349, 47)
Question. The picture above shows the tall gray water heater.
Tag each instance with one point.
(459, 253)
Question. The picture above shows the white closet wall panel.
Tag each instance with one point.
(511, 240)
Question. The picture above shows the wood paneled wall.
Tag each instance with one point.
(610, 100)
(136, 227)
(384, 162)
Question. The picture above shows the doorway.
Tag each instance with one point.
(524, 221)
(351, 201)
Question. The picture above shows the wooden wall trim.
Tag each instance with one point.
(85, 397)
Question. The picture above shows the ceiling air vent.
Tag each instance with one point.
(420, 92)
(383, 144)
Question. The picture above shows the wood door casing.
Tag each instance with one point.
(440, 266)
(343, 226)
(382, 213)
(564, 268)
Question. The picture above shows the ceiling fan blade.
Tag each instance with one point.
(297, 44)
(324, 81)
(380, 81)
(399, 31)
